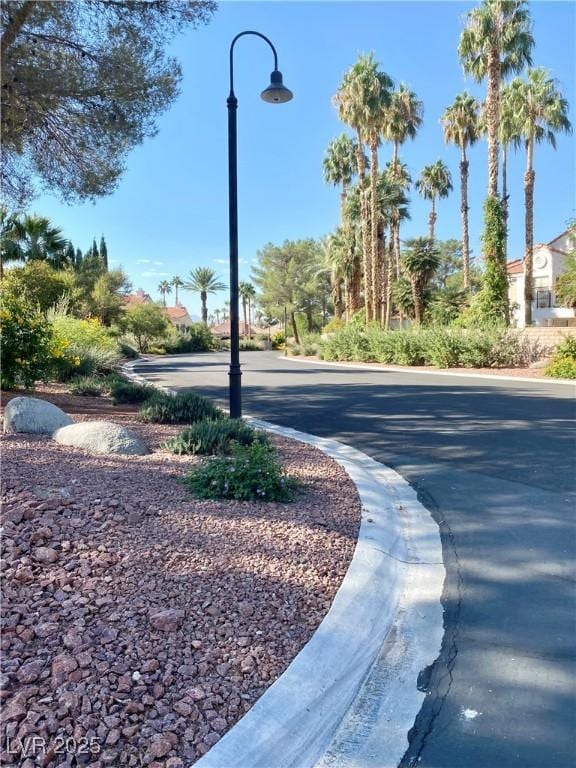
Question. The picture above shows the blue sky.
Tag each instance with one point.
(169, 212)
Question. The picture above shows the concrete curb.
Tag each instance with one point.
(350, 696)
(407, 369)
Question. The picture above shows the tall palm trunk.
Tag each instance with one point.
(364, 225)
(493, 115)
(374, 250)
(529, 178)
(505, 197)
(380, 307)
(244, 312)
(417, 298)
(388, 315)
(203, 297)
(432, 219)
(355, 287)
(176, 298)
(249, 317)
(464, 216)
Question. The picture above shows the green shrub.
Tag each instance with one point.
(566, 348)
(208, 437)
(182, 408)
(28, 345)
(351, 343)
(409, 348)
(443, 348)
(127, 351)
(563, 363)
(88, 347)
(90, 386)
(124, 391)
(196, 338)
(252, 473)
(561, 368)
(278, 340)
(249, 345)
(336, 324)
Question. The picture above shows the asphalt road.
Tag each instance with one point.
(494, 461)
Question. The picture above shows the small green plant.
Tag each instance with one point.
(563, 364)
(215, 437)
(126, 350)
(252, 473)
(89, 386)
(182, 408)
(561, 368)
(124, 391)
(278, 340)
(29, 349)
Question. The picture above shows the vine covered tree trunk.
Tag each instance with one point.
(493, 119)
(375, 293)
(464, 216)
(505, 196)
(529, 177)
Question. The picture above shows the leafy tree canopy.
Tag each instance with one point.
(82, 83)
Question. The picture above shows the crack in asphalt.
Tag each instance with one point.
(436, 679)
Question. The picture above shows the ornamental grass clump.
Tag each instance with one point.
(251, 473)
(215, 437)
(124, 391)
(182, 408)
(89, 386)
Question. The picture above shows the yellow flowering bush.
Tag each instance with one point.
(27, 342)
(83, 347)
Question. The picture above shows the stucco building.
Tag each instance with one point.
(548, 263)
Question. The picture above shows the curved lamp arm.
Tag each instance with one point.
(233, 43)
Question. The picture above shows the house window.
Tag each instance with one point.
(543, 299)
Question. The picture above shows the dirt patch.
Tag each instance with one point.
(140, 624)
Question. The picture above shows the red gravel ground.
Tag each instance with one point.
(140, 624)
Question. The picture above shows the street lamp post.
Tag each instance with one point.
(275, 93)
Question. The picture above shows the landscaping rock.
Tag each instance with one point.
(29, 414)
(101, 437)
(168, 620)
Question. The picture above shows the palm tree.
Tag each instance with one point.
(40, 241)
(507, 135)
(435, 182)
(203, 280)
(164, 289)
(496, 42)
(540, 109)
(355, 92)
(177, 283)
(461, 127)
(11, 235)
(397, 173)
(404, 117)
(420, 260)
(247, 292)
(339, 165)
(376, 114)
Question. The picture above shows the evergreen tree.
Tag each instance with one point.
(70, 255)
(78, 258)
(104, 253)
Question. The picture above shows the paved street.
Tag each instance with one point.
(495, 463)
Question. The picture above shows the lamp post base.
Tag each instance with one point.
(235, 377)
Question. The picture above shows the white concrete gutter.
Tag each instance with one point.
(350, 696)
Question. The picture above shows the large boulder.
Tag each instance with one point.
(29, 414)
(101, 437)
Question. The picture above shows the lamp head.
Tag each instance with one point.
(276, 92)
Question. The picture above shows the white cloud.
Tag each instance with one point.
(159, 263)
(154, 273)
(220, 261)
(143, 261)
